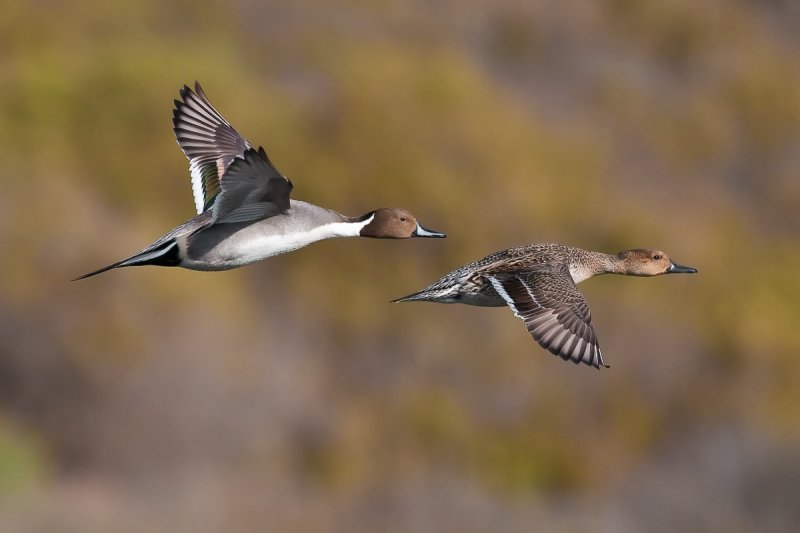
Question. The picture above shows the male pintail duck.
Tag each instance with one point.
(243, 205)
(538, 282)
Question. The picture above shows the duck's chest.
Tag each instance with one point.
(580, 272)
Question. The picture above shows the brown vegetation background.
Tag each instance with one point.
(290, 395)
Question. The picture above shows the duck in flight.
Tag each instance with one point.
(244, 213)
(538, 282)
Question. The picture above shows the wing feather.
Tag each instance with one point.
(554, 312)
(251, 189)
(208, 140)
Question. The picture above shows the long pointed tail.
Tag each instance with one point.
(101, 270)
(443, 291)
(429, 294)
(164, 254)
(424, 295)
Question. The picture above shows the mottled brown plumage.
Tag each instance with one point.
(538, 282)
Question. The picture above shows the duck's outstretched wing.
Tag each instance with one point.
(208, 140)
(553, 310)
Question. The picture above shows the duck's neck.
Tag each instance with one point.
(594, 263)
(349, 228)
(325, 223)
(355, 225)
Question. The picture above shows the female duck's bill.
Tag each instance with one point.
(675, 268)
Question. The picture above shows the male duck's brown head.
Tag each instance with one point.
(641, 262)
(394, 223)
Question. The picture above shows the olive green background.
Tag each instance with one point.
(290, 395)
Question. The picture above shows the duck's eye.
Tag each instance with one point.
(402, 219)
(657, 257)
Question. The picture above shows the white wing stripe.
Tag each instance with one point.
(197, 185)
(504, 294)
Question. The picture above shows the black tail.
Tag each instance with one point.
(164, 254)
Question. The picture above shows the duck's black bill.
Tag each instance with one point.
(423, 232)
(680, 269)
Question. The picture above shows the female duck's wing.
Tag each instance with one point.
(208, 140)
(251, 189)
(553, 310)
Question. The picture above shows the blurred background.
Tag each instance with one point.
(290, 395)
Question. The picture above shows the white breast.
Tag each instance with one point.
(258, 247)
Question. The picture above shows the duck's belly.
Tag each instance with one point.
(226, 246)
(474, 290)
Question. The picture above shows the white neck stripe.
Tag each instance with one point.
(354, 228)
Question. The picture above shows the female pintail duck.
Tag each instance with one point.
(243, 205)
(538, 282)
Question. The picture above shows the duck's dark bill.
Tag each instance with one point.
(680, 269)
(423, 232)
